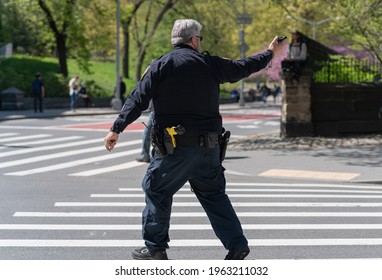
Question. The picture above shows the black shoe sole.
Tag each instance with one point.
(243, 255)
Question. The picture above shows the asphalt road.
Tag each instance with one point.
(63, 196)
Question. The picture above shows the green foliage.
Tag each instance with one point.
(19, 71)
(345, 69)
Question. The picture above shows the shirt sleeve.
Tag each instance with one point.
(137, 101)
(235, 70)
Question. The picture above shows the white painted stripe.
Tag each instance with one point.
(352, 186)
(113, 168)
(235, 204)
(74, 163)
(189, 226)
(188, 242)
(8, 134)
(297, 185)
(14, 139)
(47, 141)
(62, 154)
(52, 147)
(272, 123)
(249, 195)
(234, 190)
(197, 214)
(249, 126)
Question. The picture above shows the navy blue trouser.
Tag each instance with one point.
(202, 168)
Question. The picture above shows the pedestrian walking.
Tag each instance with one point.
(38, 91)
(73, 92)
(187, 136)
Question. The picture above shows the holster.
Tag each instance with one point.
(157, 140)
(211, 139)
(224, 143)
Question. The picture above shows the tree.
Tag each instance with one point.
(130, 11)
(65, 19)
(362, 23)
(60, 32)
(148, 30)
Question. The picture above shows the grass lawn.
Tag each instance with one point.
(19, 71)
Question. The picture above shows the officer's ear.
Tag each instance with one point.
(194, 42)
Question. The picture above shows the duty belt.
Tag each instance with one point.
(209, 140)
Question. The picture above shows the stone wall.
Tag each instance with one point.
(296, 115)
(330, 109)
(339, 109)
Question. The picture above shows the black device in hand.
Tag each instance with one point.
(281, 38)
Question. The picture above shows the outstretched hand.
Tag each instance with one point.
(276, 47)
(110, 140)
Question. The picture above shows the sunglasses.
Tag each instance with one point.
(200, 37)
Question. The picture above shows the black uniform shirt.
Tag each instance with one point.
(184, 86)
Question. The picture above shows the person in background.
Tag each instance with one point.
(276, 92)
(296, 56)
(145, 154)
(122, 90)
(73, 91)
(38, 91)
(184, 86)
(82, 93)
(265, 92)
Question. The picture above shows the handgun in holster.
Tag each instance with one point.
(224, 143)
(169, 137)
(157, 142)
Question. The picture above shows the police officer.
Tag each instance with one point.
(184, 87)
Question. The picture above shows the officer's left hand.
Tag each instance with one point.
(276, 47)
(110, 140)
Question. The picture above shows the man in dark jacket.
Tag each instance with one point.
(184, 87)
(38, 92)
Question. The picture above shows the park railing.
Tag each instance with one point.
(347, 70)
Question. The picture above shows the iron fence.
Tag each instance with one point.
(347, 70)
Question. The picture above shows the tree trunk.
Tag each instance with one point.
(60, 35)
(61, 51)
(125, 55)
(138, 69)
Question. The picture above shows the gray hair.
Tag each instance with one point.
(183, 30)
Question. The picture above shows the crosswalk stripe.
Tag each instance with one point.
(195, 214)
(189, 226)
(270, 190)
(47, 141)
(62, 154)
(249, 195)
(14, 139)
(288, 185)
(73, 163)
(297, 185)
(8, 134)
(235, 204)
(113, 168)
(188, 242)
(51, 147)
